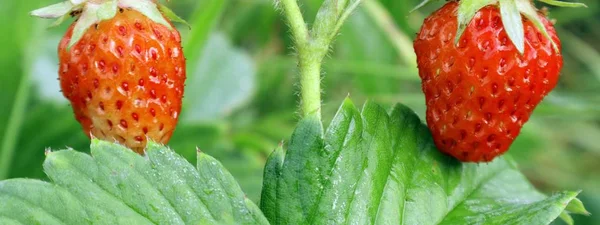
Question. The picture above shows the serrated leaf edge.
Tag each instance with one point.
(566, 197)
(244, 210)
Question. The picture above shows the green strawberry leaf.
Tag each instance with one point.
(372, 167)
(116, 186)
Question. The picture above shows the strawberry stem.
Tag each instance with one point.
(310, 82)
(312, 45)
(310, 67)
(291, 11)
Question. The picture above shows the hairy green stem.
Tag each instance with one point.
(310, 81)
(313, 45)
(309, 63)
(291, 10)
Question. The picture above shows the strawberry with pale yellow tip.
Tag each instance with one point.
(122, 68)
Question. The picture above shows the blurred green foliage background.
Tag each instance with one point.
(241, 101)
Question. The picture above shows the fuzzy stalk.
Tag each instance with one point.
(313, 45)
(310, 61)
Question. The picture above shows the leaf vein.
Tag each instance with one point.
(33, 205)
(410, 175)
(337, 153)
(231, 199)
(387, 181)
(365, 164)
(187, 185)
(144, 178)
(479, 186)
(115, 198)
(6, 217)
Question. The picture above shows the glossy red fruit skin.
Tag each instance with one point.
(125, 79)
(480, 92)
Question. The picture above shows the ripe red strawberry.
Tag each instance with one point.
(124, 78)
(480, 91)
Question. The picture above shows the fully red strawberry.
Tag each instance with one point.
(480, 91)
(124, 78)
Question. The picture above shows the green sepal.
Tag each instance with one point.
(148, 9)
(529, 11)
(564, 4)
(167, 12)
(61, 11)
(107, 10)
(466, 11)
(423, 3)
(92, 14)
(511, 11)
(77, 2)
(54, 11)
(513, 25)
(60, 20)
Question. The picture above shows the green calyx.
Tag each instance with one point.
(90, 12)
(511, 13)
